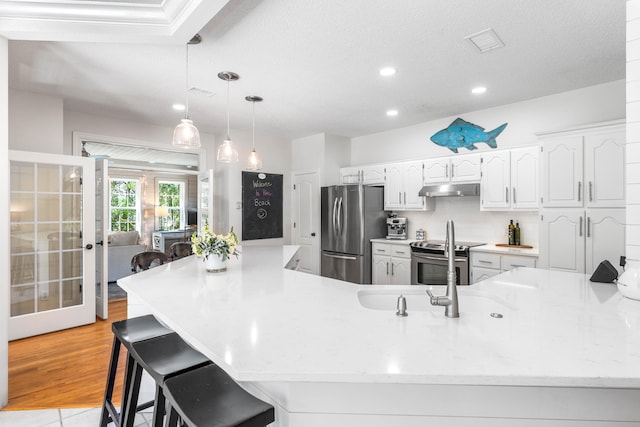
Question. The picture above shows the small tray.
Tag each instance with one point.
(504, 245)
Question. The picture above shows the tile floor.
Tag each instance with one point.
(85, 417)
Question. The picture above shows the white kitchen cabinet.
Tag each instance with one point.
(485, 264)
(584, 168)
(366, 175)
(460, 168)
(391, 264)
(403, 181)
(509, 180)
(577, 240)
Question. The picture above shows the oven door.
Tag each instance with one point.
(430, 269)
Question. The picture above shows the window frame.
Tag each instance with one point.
(182, 184)
(138, 204)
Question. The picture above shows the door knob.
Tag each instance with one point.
(89, 246)
(313, 234)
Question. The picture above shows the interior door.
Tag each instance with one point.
(52, 238)
(102, 231)
(306, 220)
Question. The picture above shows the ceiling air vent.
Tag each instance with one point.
(485, 40)
(199, 91)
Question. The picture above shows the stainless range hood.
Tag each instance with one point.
(450, 190)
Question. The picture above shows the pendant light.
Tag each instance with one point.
(186, 135)
(254, 162)
(227, 152)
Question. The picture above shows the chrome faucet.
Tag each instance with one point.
(450, 301)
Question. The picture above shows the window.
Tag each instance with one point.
(124, 207)
(171, 194)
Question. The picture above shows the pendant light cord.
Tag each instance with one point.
(186, 108)
(228, 137)
(253, 113)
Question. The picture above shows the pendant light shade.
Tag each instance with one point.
(186, 135)
(227, 153)
(254, 162)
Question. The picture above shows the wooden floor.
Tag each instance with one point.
(65, 369)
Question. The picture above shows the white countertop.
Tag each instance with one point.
(405, 242)
(505, 250)
(261, 322)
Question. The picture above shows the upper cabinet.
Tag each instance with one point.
(584, 168)
(402, 184)
(366, 175)
(509, 179)
(460, 168)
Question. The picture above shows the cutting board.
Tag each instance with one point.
(504, 245)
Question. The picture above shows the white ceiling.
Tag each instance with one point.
(315, 63)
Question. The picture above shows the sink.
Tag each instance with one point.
(417, 300)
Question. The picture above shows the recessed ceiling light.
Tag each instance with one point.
(387, 71)
(479, 89)
(392, 113)
(179, 107)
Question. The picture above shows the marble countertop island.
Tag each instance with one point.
(268, 325)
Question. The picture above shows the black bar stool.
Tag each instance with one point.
(208, 397)
(127, 332)
(163, 357)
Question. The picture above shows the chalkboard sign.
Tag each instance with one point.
(261, 205)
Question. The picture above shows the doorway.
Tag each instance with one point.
(306, 219)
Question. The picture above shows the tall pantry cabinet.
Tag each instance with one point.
(582, 221)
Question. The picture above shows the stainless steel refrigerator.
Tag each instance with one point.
(351, 216)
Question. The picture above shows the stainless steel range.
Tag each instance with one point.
(429, 265)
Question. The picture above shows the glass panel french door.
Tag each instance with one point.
(52, 238)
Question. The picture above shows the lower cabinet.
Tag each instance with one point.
(577, 240)
(485, 264)
(391, 264)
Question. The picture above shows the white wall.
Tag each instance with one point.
(275, 153)
(4, 220)
(633, 130)
(555, 112)
(35, 122)
(323, 152)
(75, 121)
(588, 105)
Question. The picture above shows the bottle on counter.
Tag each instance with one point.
(512, 233)
(517, 234)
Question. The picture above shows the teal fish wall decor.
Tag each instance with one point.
(462, 134)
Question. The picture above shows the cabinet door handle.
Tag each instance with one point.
(405, 197)
(590, 191)
(387, 268)
(400, 252)
(506, 194)
(588, 226)
(484, 262)
(514, 195)
(452, 171)
(580, 227)
(446, 173)
(392, 269)
(579, 190)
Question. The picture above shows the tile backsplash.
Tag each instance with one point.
(471, 224)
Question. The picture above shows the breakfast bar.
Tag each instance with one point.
(531, 347)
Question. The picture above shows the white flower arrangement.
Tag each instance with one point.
(208, 243)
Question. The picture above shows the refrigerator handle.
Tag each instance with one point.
(347, 257)
(333, 216)
(340, 217)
